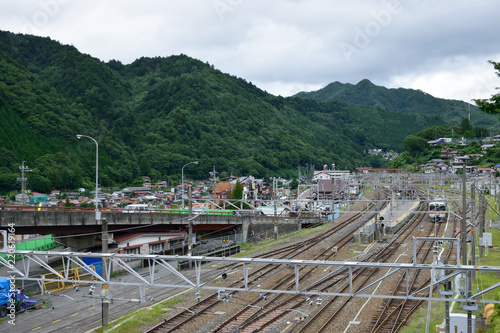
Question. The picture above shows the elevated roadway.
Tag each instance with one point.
(71, 221)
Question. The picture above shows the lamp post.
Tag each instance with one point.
(182, 175)
(79, 136)
(104, 237)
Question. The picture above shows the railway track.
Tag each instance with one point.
(263, 313)
(395, 313)
(259, 315)
(272, 274)
(332, 308)
(325, 317)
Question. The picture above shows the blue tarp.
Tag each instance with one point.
(97, 262)
(4, 291)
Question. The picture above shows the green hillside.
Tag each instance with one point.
(154, 115)
(402, 100)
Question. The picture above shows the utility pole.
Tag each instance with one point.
(105, 273)
(464, 216)
(466, 306)
(275, 220)
(482, 223)
(496, 195)
(275, 190)
(214, 184)
(473, 223)
(182, 180)
(190, 230)
(23, 182)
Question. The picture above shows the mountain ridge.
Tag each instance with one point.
(154, 115)
(406, 100)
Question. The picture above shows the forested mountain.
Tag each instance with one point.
(402, 100)
(154, 115)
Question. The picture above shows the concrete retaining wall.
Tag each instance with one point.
(261, 231)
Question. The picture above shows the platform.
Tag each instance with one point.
(390, 221)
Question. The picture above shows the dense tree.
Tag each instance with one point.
(237, 192)
(154, 115)
(492, 105)
(415, 144)
(8, 182)
(401, 100)
(404, 160)
(39, 183)
(237, 195)
(469, 134)
(436, 132)
(7, 158)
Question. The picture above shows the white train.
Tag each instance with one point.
(136, 208)
(437, 210)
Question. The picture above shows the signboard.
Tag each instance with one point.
(487, 239)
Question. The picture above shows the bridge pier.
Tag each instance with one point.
(78, 243)
(244, 230)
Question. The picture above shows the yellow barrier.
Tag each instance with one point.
(489, 309)
(76, 274)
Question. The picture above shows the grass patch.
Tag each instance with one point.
(482, 280)
(134, 322)
(253, 248)
(309, 231)
(419, 323)
(247, 249)
(490, 214)
(486, 279)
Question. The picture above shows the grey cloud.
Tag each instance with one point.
(282, 45)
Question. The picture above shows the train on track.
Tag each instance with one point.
(437, 210)
(196, 211)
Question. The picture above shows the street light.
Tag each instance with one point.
(182, 171)
(79, 136)
(104, 237)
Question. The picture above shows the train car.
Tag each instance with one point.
(196, 211)
(136, 208)
(437, 210)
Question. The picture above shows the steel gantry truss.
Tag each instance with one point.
(442, 273)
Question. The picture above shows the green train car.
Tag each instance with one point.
(196, 211)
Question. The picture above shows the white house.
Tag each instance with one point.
(148, 243)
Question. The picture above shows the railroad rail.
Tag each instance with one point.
(291, 277)
(249, 312)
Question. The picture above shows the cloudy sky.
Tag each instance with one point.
(286, 46)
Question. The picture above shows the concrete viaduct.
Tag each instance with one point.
(70, 221)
